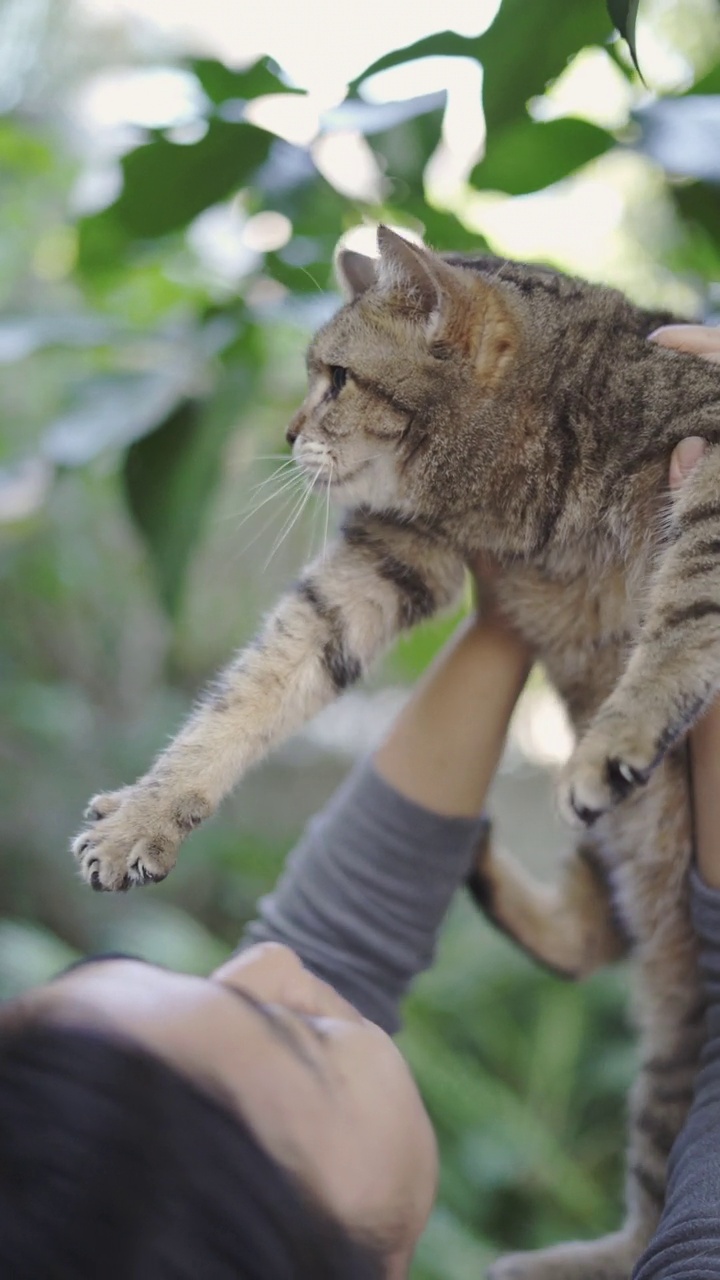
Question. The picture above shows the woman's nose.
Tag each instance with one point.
(274, 973)
(263, 969)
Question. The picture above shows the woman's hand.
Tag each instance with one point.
(697, 339)
(705, 738)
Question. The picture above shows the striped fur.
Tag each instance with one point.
(457, 406)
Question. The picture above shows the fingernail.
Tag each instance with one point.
(688, 454)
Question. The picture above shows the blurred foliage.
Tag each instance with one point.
(141, 377)
(624, 14)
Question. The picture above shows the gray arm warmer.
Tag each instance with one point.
(686, 1245)
(364, 893)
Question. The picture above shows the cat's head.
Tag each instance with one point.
(414, 359)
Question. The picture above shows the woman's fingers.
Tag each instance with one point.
(696, 339)
(685, 458)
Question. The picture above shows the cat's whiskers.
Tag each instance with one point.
(246, 514)
(327, 511)
(310, 276)
(292, 482)
(280, 472)
(290, 523)
(279, 513)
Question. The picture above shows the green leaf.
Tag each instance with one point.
(624, 14)
(709, 83)
(699, 205)
(102, 245)
(112, 411)
(405, 150)
(166, 185)
(22, 151)
(527, 45)
(443, 230)
(311, 277)
(223, 84)
(528, 156)
(170, 477)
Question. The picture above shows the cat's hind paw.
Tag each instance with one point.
(133, 836)
(609, 763)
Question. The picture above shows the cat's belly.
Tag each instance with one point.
(582, 632)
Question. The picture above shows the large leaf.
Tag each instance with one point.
(224, 84)
(709, 83)
(405, 151)
(112, 411)
(528, 44)
(527, 156)
(171, 474)
(699, 205)
(443, 230)
(624, 14)
(166, 185)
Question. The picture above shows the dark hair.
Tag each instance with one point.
(113, 1166)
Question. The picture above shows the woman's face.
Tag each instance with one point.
(326, 1092)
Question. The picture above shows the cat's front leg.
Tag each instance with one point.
(381, 577)
(674, 671)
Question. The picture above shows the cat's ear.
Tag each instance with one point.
(355, 273)
(406, 269)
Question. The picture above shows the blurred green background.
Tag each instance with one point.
(173, 181)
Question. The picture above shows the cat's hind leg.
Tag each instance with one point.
(658, 1106)
(611, 1258)
(570, 927)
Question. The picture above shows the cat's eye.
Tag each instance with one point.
(338, 377)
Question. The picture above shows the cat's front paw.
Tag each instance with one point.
(133, 836)
(609, 763)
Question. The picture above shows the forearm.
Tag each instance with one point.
(364, 894)
(444, 748)
(686, 1245)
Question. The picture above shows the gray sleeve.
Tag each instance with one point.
(686, 1245)
(364, 893)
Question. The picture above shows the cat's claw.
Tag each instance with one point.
(603, 771)
(133, 836)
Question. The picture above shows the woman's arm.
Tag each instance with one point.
(363, 895)
(686, 1245)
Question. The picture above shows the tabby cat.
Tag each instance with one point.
(459, 405)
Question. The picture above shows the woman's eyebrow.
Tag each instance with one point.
(282, 1029)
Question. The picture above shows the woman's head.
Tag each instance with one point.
(325, 1093)
(115, 1167)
